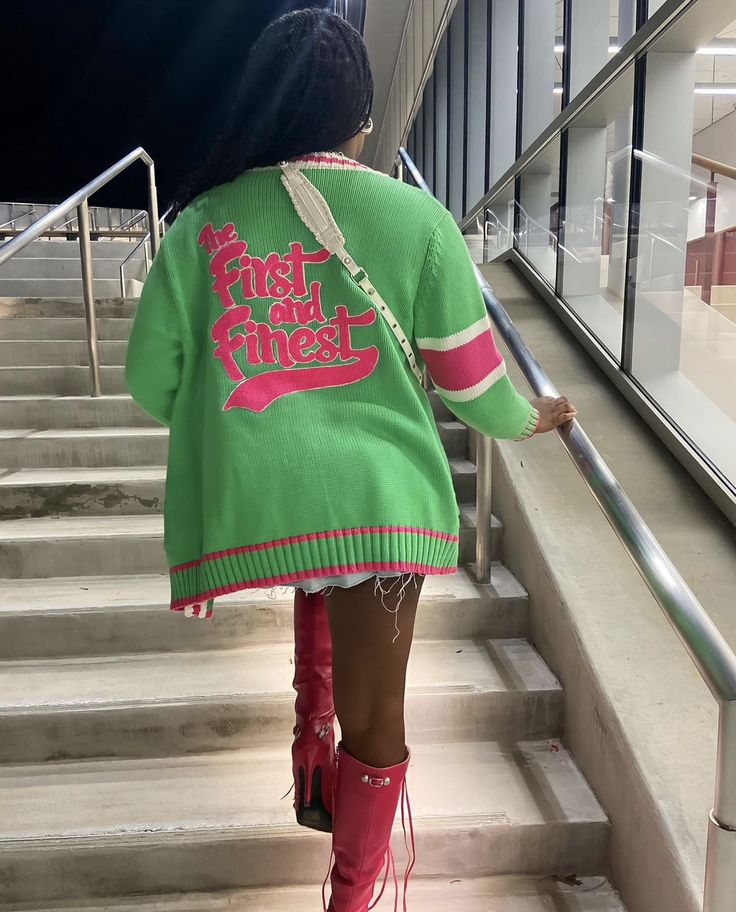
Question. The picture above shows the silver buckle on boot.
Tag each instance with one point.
(374, 782)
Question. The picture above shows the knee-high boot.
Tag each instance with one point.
(366, 799)
(313, 751)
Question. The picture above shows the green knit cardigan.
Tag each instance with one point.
(301, 444)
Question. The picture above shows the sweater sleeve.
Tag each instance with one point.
(154, 361)
(453, 333)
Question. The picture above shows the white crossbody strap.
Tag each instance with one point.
(316, 214)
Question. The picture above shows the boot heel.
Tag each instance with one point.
(310, 809)
(313, 751)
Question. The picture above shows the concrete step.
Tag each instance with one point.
(63, 412)
(464, 477)
(218, 821)
(128, 542)
(112, 490)
(54, 288)
(504, 893)
(453, 434)
(109, 615)
(76, 546)
(125, 446)
(64, 328)
(58, 381)
(441, 411)
(84, 448)
(57, 353)
(66, 492)
(165, 704)
(42, 267)
(52, 247)
(65, 307)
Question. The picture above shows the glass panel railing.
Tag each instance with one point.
(683, 350)
(538, 211)
(596, 216)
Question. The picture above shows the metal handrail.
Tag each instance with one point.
(127, 234)
(133, 220)
(161, 222)
(79, 201)
(14, 218)
(715, 167)
(710, 652)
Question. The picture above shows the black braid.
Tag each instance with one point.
(307, 87)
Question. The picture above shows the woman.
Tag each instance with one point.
(280, 335)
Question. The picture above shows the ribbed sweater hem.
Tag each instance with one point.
(367, 549)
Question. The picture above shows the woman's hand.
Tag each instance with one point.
(553, 412)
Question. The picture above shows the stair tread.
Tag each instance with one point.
(81, 476)
(75, 475)
(52, 397)
(510, 893)
(254, 672)
(77, 594)
(90, 433)
(81, 527)
(526, 784)
(462, 466)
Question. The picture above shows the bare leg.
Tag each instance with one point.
(369, 666)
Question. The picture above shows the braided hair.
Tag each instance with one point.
(307, 87)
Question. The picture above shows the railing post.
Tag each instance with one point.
(720, 862)
(400, 171)
(153, 210)
(484, 464)
(88, 292)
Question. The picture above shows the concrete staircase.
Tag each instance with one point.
(144, 756)
(51, 268)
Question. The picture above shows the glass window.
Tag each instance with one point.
(543, 22)
(429, 133)
(684, 316)
(478, 38)
(441, 115)
(456, 45)
(593, 25)
(503, 88)
(473, 235)
(500, 224)
(538, 211)
(419, 140)
(596, 213)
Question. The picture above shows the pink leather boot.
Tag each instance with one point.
(313, 751)
(366, 799)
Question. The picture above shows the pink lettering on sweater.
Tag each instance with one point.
(329, 349)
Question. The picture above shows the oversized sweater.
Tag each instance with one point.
(301, 443)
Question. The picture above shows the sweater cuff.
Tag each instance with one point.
(531, 426)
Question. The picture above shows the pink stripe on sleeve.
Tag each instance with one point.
(465, 365)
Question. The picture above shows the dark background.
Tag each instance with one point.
(86, 81)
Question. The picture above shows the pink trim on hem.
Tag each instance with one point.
(269, 582)
(313, 536)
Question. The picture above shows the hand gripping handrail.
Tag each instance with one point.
(79, 201)
(712, 655)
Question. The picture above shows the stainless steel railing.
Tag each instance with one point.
(102, 218)
(134, 251)
(79, 201)
(708, 649)
(14, 217)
